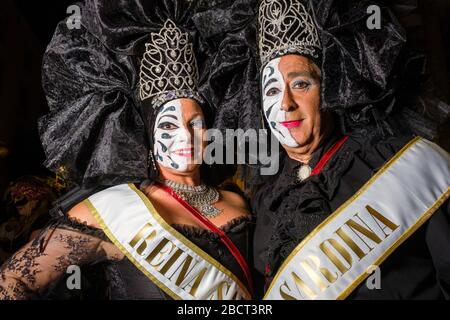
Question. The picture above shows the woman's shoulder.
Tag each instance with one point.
(72, 206)
(78, 208)
(81, 213)
(80, 219)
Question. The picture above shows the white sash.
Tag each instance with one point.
(339, 254)
(167, 258)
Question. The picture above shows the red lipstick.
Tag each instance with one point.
(291, 124)
(185, 152)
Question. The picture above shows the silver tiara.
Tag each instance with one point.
(285, 26)
(168, 67)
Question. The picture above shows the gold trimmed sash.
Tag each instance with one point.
(166, 257)
(335, 258)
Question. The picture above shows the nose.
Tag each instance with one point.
(288, 104)
(185, 136)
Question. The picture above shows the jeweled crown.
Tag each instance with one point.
(168, 67)
(286, 26)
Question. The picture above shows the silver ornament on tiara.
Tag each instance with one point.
(168, 67)
(286, 26)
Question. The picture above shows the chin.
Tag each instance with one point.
(188, 169)
(301, 141)
(303, 137)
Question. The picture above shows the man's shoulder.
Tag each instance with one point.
(393, 142)
(382, 147)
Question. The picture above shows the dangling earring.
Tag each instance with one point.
(152, 159)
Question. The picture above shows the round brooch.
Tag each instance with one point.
(304, 172)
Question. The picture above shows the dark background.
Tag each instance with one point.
(26, 27)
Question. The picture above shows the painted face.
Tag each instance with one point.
(177, 123)
(291, 99)
(273, 92)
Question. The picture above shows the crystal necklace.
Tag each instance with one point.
(201, 197)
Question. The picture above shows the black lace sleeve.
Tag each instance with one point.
(45, 259)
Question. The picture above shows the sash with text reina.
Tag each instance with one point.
(337, 256)
(167, 258)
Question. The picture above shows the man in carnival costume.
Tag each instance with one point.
(358, 192)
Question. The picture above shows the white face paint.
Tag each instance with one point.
(273, 89)
(173, 147)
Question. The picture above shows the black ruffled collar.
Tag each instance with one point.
(288, 176)
(296, 208)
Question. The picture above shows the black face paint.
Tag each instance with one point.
(173, 164)
(164, 148)
(274, 126)
(170, 108)
(272, 71)
(269, 110)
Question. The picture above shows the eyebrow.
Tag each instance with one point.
(294, 74)
(195, 116)
(167, 115)
(269, 82)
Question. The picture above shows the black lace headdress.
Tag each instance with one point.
(100, 95)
